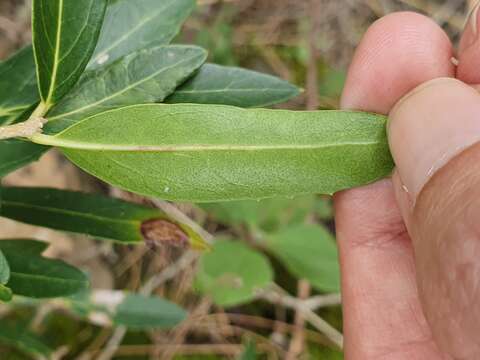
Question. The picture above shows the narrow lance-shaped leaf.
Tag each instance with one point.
(4, 269)
(107, 308)
(138, 311)
(35, 276)
(133, 25)
(215, 153)
(5, 292)
(215, 84)
(65, 34)
(18, 85)
(94, 215)
(146, 76)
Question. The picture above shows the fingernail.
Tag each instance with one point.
(471, 32)
(430, 126)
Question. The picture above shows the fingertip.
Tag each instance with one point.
(398, 52)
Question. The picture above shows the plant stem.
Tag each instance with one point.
(24, 129)
(28, 128)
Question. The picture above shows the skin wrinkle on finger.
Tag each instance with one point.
(382, 313)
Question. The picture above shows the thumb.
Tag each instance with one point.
(433, 134)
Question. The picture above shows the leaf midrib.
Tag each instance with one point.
(53, 79)
(79, 145)
(69, 212)
(47, 278)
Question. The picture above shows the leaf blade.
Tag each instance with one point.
(18, 84)
(206, 153)
(132, 26)
(146, 76)
(34, 276)
(64, 35)
(4, 269)
(94, 215)
(223, 85)
(232, 273)
(309, 252)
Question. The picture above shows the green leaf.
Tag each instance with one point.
(250, 352)
(15, 154)
(65, 34)
(29, 247)
(133, 25)
(34, 276)
(24, 341)
(309, 252)
(267, 214)
(232, 273)
(215, 84)
(5, 293)
(141, 312)
(94, 215)
(204, 153)
(4, 269)
(18, 85)
(120, 308)
(146, 76)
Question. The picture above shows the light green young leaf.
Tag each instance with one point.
(133, 25)
(309, 252)
(119, 308)
(34, 276)
(4, 269)
(95, 215)
(250, 352)
(141, 312)
(145, 76)
(5, 292)
(65, 34)
(215, 84)
(18, 85)
(15, 154)
(23, 340)
(232, 273)
(215, 153)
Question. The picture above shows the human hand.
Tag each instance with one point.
(421, 229)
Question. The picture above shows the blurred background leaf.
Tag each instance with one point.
(232, 273)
